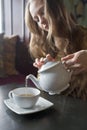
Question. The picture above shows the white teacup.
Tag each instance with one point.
(25, 97)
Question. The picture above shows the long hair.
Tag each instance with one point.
(61, 23)
(31, 24)
(60, 20)
(38, 45)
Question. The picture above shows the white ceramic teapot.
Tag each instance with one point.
(52, 78)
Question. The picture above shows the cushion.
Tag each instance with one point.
(2, 72)
(8, 53)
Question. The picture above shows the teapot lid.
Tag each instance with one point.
(48, 65)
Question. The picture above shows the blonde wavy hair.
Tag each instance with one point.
(38, 45)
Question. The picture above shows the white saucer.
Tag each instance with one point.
(42, 104)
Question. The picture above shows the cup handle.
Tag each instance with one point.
(10, 95)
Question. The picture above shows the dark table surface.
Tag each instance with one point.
(66, 114)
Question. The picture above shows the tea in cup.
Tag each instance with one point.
(25, 97)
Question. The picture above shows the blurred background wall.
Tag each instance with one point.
(79, 9)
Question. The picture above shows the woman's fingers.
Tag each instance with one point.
(39, 62)
(67, 57)
(37, 65)
(69, 60)
(68, 64)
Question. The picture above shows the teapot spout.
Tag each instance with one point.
(34, 80)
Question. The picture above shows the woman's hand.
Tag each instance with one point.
(76, 61)
(39, 62)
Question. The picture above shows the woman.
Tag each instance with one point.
(55, 31)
